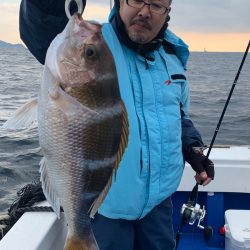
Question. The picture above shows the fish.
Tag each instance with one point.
(82, 124)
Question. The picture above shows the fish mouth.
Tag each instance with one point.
(86, 28)
(62, 86)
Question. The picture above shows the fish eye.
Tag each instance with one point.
(89, 51)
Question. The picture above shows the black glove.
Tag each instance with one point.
(200, 163)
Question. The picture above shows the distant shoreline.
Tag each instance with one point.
(5, 45)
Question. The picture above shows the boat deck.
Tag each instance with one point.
(229, 190)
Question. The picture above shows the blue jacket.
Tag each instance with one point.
(152, 165)
(157, 100)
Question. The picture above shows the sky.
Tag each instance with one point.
(211, 25)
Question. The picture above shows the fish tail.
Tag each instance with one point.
(81, 244)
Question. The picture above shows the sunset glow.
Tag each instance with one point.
(228, 42)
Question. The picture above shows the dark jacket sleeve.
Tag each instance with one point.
(190, 138)
(39, 22)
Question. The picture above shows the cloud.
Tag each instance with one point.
(8, 9)
(203, 19)
(9, 22)
(9, 17)
(97, 11)
(98, 2)
(223, 16)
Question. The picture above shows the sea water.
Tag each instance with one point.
(211, 76)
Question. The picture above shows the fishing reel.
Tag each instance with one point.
(190, 214)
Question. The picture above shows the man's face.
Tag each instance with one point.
(143, 25)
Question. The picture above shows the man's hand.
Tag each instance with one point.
(203, 167)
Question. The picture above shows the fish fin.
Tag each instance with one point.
(75, 243)
(124, 137)
(24, 117)
(48, 190)
(67, 104)
(123, 144)
(98, 201)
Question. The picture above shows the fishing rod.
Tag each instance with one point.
(228, 100)
(191, 211)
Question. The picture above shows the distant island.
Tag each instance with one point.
(5, 45)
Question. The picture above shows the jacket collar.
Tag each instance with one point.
(179, 47)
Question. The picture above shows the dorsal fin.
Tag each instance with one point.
(123, 144)
(124, 137)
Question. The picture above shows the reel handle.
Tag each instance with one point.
(208, 233)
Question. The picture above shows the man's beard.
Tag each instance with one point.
(139, 36)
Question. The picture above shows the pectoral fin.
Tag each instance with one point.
(24, 117)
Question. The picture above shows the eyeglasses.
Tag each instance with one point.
(154, 7)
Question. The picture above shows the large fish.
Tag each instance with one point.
(83, 126)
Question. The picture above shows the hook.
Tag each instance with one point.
(79, 4)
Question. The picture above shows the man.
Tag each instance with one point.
(150, 61)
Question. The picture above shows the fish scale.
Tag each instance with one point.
(72, 146)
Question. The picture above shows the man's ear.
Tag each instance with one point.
(168, 17)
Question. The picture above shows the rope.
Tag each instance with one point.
(27, 196)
